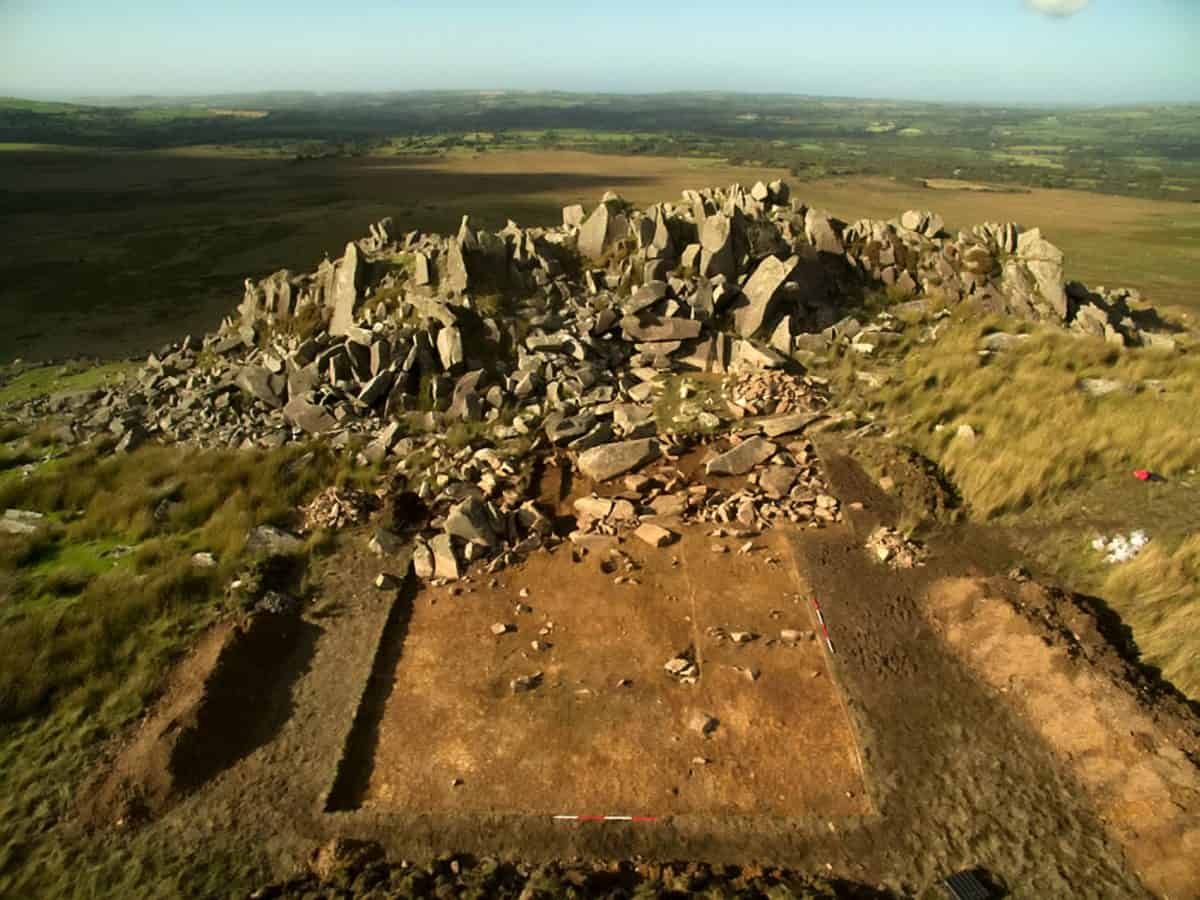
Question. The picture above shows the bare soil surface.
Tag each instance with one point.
(609, 730)
(948, 731)
(1132, 758)
(229, 696)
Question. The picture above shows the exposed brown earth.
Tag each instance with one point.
(1136, 764)
(958, 772)
(229, 696)
(608, 730)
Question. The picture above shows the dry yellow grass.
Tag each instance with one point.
(1157, 595)
(1036, 433)
(1042, 446)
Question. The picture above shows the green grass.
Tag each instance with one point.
(1051, 467)
(45, 380)
(169, 502)
(88, 637)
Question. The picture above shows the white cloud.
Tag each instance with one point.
(1057, 8)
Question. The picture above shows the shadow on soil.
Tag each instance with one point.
(248, 699)
(358, 759)
(1119, 636)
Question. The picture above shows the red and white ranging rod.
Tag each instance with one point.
(824, 627)
(605, 818)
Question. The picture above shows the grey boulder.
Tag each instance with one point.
(742, 458)
(610, 460)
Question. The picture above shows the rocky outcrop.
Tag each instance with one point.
(759, 306)
(462, 362)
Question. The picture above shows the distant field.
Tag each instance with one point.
(1146, 151)
(112, 252)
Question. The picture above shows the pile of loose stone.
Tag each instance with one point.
(336, 508)
(890, 547)
(616, 341)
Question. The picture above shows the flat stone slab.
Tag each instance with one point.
(655, 328)
(742, 458)
(610, 460)
(654, 535)
(789, 424)
(309, 416)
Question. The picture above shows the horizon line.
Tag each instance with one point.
(131, 99)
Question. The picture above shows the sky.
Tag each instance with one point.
(975, 51)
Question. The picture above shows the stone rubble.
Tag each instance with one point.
(21, 521)
(888, 546)
(616, 344)
(335, 508)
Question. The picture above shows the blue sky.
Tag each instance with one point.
(1108, 51)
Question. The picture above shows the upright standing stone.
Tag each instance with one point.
(594, 234)
(716, 242)
(457, 278)
(421, 273)
(347, 278)
(1045, 262)
(757, 306)
(818, 226)
(450, 347)
(573, 216)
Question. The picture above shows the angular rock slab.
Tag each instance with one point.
(655, 535)
(655, 328)
(472, 522)
(742, 458)
(347, 279)
(1045, 263)
(610, 460)
(309, 416)
(777, 426)
(753, 312)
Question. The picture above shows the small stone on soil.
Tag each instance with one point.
(654, 535)
(524, 683)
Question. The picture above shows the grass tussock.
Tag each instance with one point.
(1036, 433)
(1047, 455)
(94, 608)
(83, 626)
(1158, 595)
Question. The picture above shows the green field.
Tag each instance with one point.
(1144, 151)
